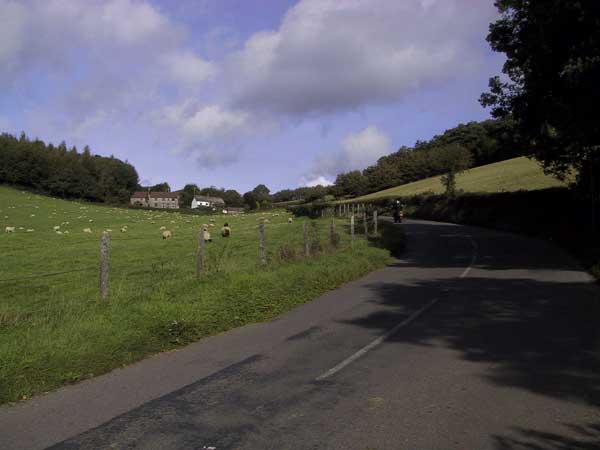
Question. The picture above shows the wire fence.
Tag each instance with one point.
(115, 258)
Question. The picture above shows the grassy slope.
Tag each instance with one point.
(55, 329)
(511, 175)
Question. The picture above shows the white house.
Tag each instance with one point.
(206, 201)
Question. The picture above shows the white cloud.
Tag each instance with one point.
(188, 68)
(358, 151)
(103, 62)
(214, 122)
(329, 55)
(318, 181)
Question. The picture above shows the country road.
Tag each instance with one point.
(475, 339)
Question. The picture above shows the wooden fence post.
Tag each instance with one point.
(306, 243)
(200, 254)
(352, 230)
(375, 222)
(104, 264)
(261, 244)
(332, 231)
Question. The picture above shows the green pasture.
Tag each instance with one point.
(55, 328)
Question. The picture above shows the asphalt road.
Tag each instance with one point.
(475, 339)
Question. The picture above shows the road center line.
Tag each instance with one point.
(405, 322)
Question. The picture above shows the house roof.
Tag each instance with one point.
(208, 198)
(142, 194)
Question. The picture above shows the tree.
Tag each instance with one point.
(261, 195)
(186, 195)
(160, 187)
(552, 69)
(233, 198)
(350, 183)
(250, 200)
(451, 160)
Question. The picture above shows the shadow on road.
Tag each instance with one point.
(532, 331)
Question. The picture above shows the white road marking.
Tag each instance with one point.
(473, 257)
(405, 322)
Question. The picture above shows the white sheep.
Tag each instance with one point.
(9, 229)
(124, 230)
(108, 230)
(29, 230)
(290, 220)
(87, 230)
(56, 227)
(166, 234)
(163, 228)
(58, 232)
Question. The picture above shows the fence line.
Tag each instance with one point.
(107, 247)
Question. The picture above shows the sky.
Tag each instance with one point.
(234, 93)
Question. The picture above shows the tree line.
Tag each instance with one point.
(64, 172)
(459, 148)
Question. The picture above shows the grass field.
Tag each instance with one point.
(505, 176)
(55, 329)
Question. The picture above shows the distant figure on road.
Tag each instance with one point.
(226, 231)
(398, 211)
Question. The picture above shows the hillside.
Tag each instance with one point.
(505, 176)
(54, 327)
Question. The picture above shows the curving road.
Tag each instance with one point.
(476, 339)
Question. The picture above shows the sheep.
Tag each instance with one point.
(108, 230)
(211, 220)
(87, 230)
(56, 227)
(166, 234)
(58, 232)
(124, 230)
(211, 225)
(163, 228)
(29, 230)
(226, 230)
(9, 229)
(290, 220)
(91, 220)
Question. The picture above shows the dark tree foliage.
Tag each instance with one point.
(552, 78)
(64, 172)
(186, 195)
(160, 187)
(305, 194)
(486, 142)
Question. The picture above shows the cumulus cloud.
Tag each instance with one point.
(318, 181)
(358, 150)
(329, 55)
(105, 63)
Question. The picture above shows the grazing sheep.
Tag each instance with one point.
(206, 235)
(87, 230)
(290, 220)
(226, 230)
(9, 229)
(29, 230)
(108, 230)
(163, 228)
(211, 225)
(124, 230)
(58, 232)
(166, 234)
(211, 220)
(56, 227)
(91, 220)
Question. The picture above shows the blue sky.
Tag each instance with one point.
(234, 93)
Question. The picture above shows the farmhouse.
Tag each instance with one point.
(156, 199)
(207, 202)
